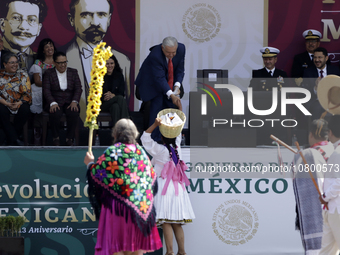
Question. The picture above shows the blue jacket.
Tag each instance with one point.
(152, 79)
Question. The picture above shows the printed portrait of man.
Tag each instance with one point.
(90, 20)
(20, 23)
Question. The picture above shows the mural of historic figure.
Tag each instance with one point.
(20, 23)
(90, 20)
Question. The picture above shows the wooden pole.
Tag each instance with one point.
(303, 159)
(90, 139)
(283, 144)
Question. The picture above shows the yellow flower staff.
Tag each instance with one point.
(100, 55)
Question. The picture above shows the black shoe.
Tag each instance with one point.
(69, 142)
(56, 141)
(19, 143)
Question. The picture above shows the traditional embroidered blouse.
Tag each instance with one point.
(15, 87)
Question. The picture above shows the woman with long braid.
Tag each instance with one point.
(172, 203)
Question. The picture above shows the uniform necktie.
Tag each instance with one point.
(270, 73)
(312, 56)
(170, 74)
(321, 74)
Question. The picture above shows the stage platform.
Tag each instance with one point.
(48, 186)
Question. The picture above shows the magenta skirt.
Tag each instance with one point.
(115, 235)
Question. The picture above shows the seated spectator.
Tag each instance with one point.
(305, 59)
(113, 100)
(268, 77)
(62, 91)
(311, 77)
(44, 61)
(15, 98)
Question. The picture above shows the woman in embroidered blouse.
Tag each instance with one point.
(173, 207)
(113, 100)
(15, 98)
(44, 61)
(121, 187)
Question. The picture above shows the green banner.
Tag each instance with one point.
(48, 187)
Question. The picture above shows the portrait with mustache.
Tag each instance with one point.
(20, 23)
(91, 20)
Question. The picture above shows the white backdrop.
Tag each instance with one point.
(235, 46)
(273, 213)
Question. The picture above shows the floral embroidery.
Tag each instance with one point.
(126, 190)
(141, 165)
(127, 171)
(127, 161)
(112, 182)
(113, 166)
(138, 194)
(101, 159)
(143, 182)
(148, 170)
(120, 181)
(143, 206)
(152, 173)
(148, 194)
(101, 174)
(116, 153)
(134, 178)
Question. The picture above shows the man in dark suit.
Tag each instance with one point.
(311, 77)
(305, 59)
(160, 78)
(268, 77)
(62, 90)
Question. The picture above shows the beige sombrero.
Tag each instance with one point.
(329, 94)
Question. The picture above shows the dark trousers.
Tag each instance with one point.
(71, 119)
(14, 130)
(117, 107)
(156, 105)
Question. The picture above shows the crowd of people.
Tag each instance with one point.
(51, 86)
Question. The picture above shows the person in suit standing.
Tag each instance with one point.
(268, 77)
(305, 59)
(62, 90)
(311, 77)
(160, 78)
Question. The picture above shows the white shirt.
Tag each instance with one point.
(160, 154)
(324, 74)
(62, 78)
(331, 186)
(273, 70)
(311, 56)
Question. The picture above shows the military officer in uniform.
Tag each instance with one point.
(305, 59)
(268, 77)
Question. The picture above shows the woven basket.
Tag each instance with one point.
(171, 131)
